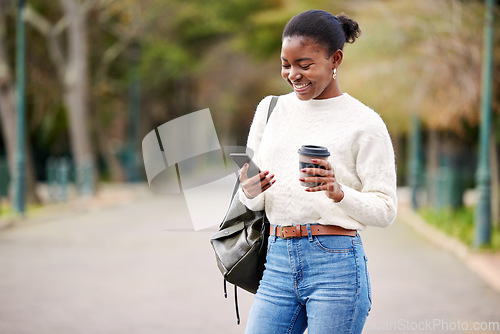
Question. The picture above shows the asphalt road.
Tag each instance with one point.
(140, 268)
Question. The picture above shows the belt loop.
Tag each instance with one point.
(309, 234)
(275, 232)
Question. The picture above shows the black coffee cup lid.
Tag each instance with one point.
(314, 151)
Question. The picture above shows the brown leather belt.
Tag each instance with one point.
(298, 231)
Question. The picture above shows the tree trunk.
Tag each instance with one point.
(8, 118)
(72, 69)
(103, 142)
(75, 83)
(7, 99)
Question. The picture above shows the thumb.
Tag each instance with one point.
(243, 172)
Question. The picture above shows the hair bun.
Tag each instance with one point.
(350, 27)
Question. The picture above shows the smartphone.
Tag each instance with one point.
(241, 159)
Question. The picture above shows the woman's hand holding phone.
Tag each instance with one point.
(257, 184)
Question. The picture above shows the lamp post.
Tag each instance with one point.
(483, 213)
(134, 101)
(415, 164)
(19, 175)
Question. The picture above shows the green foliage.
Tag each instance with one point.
(199, 22)
(187, 32)
(162, 61)
(459, 223)
(225, 55)
(262, 38)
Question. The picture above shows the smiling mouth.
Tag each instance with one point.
(301, 86)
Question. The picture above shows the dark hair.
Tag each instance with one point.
(327, 29)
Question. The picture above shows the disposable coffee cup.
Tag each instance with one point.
(306, 154)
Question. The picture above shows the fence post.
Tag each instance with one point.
(85, 178)
(62, 177)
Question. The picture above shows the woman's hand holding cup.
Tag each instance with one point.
(257, 184)
(325, 178)
(316, 173)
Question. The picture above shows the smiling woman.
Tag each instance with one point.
(308, 70)
(312, 51)
(316, 275)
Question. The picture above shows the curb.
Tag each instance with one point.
(485, 265)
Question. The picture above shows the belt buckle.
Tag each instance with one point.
(282, 235)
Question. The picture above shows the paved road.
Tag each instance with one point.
(138, 268)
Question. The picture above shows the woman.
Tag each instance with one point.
(316, 275)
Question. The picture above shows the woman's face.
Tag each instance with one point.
(308, 69)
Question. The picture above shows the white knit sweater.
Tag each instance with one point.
(361, 154)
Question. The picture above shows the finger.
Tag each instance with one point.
(263, 175)
(328, 187)
(268, 185)
(258, 178)
(317, 179)
(317, 171)
(243, 173)
(265, 181)
(250, 180)
(315, 189)
(261, 185)
(322, 162)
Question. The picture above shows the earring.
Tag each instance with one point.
(334, 73)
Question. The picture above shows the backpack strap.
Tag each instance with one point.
(274, 100)
(272, 104)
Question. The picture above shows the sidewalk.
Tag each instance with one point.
(107, 195)
(128, 261)
(485, 264)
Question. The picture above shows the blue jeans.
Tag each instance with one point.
(315, 282)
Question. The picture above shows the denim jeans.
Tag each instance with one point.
(315, 282)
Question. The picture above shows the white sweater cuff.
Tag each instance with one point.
(255, 204)
(368, 208)
(348, 195)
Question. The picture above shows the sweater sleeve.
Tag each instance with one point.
(375, 203)
(253, 143)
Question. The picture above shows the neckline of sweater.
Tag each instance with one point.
(329, 103)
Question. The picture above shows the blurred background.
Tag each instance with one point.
(83, 81)
(94, 77)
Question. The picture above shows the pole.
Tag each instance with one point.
(20, 178)
(483, 213)
(415, 167)
(133, 114)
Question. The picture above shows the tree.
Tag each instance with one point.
(8, 111)
(7, 96)
(72, 72)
